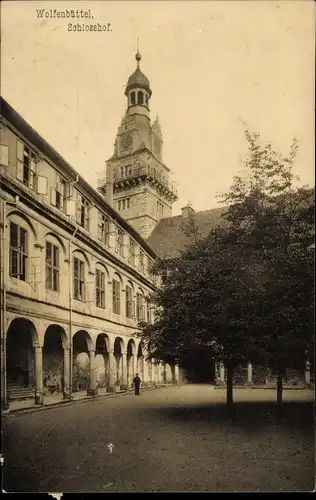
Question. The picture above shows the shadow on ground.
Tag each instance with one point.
(253, 415)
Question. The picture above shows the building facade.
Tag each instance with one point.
(75, 277)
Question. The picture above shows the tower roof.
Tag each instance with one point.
(138, 79)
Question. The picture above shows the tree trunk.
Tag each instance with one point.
(229, 384)
(279, 393)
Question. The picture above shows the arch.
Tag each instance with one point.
(55, 340)
(57, 238)
(133, 97)
(103, 267)
(82, 338)
(15, 214)
(103, 343)
(77, 251)
(131, 285)
(82, 344)
(21, 338)
(119, 345)
(140, 97)
(118, 277)
(131, 347)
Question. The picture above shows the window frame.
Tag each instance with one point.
(83, 212)
(103, 228)
(20, 252)
(100, 277)
(79, 282)
(129, 302)
(116, 296)
(52, 268)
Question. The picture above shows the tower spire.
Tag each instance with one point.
(138, 56)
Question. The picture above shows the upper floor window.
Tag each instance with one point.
(103, 228)
(100, 288)
(79, 279)
(133, 97)
(123, 204)
(149, 313)
(159, 208)
(128, 170)
(141, 266)
(140, 306)
(18, 252)
(26, 165)
(119, 242)
(140, 97)
(131, 252)
(83, 212)
(129, 302)
(52, 266)
(4, 155)
(116, 296)
(59, 193)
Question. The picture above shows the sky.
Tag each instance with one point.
(212, 65)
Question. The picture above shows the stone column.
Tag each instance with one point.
(92, 389)
(67, 391)
(124, 370)
(177, 374)
(307, 374)
(111, 373)
(39, 375)
(249, 374)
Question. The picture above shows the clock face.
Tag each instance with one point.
(126, 141)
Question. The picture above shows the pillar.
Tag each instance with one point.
(111, 372)
(307, 374)
(124, 370)
(92, 389)
(38, 375)
(249, 374)
(177, 374)
(66, 375)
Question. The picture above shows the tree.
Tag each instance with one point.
(277, 220)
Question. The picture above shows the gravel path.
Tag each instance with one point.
(173, 439)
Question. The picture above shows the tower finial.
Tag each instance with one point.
(138, 56)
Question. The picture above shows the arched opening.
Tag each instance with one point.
(146, 99)
(140, 362)
(53, 359)
(20, 358)
(81, 364)
(131, 350)
(102, 360)
(118, 346)
(133, 97)
(140, 97)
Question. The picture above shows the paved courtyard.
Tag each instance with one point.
(171, 439)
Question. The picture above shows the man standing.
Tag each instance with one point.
(136, 382)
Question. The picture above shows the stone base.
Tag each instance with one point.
(93, 392)
(39, 399)
(124, 387)
(111, 389)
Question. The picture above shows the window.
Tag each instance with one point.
(100, 288)
(123, 204)
(129, 302)
(141, 262)
(122, 171)
(131, 252)
(128, 170)
(61, 193)
(52, 266)
(79, 279)
(18, 252)
(103, 228)
(116, 291)
(83, 209)
(140, 97)
(140, 306)
(149, 314)
(119, 242)
(26, 165)
(159, 207)
(146, 99)
(133, 97)
(4, 155)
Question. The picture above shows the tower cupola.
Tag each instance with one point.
(138, 91)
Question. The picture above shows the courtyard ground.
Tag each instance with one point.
(171, 439)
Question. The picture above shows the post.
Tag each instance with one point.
(67, 393)
(222, 373)
(92, 390)
(249, 374)
(111, 373)
(39, 375)
(124, 370)
(307, 374)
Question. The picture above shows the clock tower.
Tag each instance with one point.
(137, 181)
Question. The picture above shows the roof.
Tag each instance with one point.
(171, 236)
(138, 79)
(12, 117)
